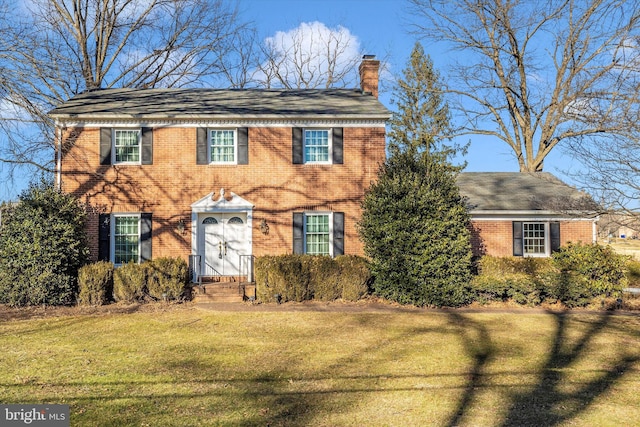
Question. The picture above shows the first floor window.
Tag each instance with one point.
(222, 146)
(533, 236)
(127, 146)
(316, 146)
(126, 239)
(317, 234)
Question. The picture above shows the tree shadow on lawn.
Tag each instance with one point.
(546, 403)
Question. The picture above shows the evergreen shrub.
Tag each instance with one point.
(305, 277)
(414, 227)
(42, 246)
(354, 278)
(130, 282)
(95, 283)
(598, 268)
(168, 278)
(324, 275)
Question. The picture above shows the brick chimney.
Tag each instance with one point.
(369, 74)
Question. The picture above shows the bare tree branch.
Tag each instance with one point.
(536, 74)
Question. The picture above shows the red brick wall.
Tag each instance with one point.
(495, 238)
(270, 181)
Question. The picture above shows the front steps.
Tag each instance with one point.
(224, 292)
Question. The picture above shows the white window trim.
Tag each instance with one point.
(330, 148)
(235, 146)
(112, 235)
(547, 240)
(114, 131)
(304, 228)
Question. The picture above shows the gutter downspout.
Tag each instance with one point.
(58, 157)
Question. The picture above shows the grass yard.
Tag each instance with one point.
(185, 366)
(629, 247)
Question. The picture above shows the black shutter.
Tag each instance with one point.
(297, 147)
(145, 237)
(105, 146)
(104, 237)
(338, 233)
(202, 146)
(336, 141)
(554, 231)
(517, 239)
(298, 233)
(146, 146)
(243, 146)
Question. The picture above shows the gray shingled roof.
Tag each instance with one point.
(220, 103)
(514, 191)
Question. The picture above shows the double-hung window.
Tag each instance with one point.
(534, 238)
(317, 233)
(317, 146)
(126, 238)
(126, 146)
(222, 146)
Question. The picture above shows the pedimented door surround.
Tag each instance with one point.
(221, 232)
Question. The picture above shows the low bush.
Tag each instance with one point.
(633, 273)
(129, 282)
(595, 268)
(354, 279)
(282, 278)
(167, 278)
(95, 282)
(573, 276)
(510, 278)
(304, 277)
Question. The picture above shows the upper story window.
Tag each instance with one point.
(126, 146)
(317, 146)
(222, 146)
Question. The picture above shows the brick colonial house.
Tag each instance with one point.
(526, 214)
(219, 176)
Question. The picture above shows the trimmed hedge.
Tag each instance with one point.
(129, 282)
(303, 277)
(167, 278)
(573, 276)
(162, 278)
(95, 282)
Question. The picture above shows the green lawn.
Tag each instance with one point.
(188, 367)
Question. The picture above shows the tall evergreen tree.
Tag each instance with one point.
(414, 221)
(422, 119)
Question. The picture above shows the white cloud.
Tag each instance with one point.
(311, 55)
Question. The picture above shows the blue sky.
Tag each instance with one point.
(383, 28)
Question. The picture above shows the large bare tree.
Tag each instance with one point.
(537, 74)
(51, 50)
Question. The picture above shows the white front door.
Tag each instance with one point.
(223, 240)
